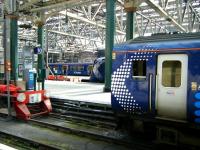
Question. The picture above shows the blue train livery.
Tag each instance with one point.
(94, 70)
(158, 75)
(98, 71)
(71, 69)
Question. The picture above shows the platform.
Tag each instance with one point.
(5, 147)
(79, 91)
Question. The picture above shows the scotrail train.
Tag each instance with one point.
(73, 69)
(158, 76)
(94, 70)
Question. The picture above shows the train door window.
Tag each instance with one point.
(171, 73)
(139, 69)
(64, 68)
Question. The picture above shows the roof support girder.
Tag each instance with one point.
(163, 13)
(72, 35)
(75, 16)
(65, 4)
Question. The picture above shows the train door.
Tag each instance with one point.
(172, 86)
(64, 69)
(89, 69)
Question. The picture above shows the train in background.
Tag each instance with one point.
(157, 79)
(71, 69)
(95, 71)
(98, 70)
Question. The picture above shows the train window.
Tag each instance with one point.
(72, 68)
(64, 68)
(80, 68)
(55, 69)
(171, 73)
(139, 69)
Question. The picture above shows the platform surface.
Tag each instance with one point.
(80, 91)
(5, 147)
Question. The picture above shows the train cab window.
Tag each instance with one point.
(171, 73)
(139, 69)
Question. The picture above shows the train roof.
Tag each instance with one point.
(165, 37)
(161, 40)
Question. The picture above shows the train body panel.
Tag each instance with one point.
(95, 70)
(71, 69)
(159, 76)
(98, 72)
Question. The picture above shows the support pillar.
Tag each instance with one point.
(131, 7)
(14, 47)
(130, 25)
(40, 66)
(110, 32)
(10, 49)
(7, 58)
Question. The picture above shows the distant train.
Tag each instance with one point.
(158, 77)
(94, 70)
(71, 69)
(98, 71)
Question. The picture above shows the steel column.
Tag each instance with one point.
(40, 67)
(14, 47)
(130, 25)
(7, 57)
(110, 32)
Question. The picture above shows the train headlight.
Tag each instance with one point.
(21, 97)
(46, 94)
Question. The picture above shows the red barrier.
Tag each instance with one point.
(29, 103)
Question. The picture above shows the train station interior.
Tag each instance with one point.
(99, 74)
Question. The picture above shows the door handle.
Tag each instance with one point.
(150, 91)
(157, 90)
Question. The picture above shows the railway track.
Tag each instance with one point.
(24, 143)
(90, 113)
(96, 115)
(21, 142)
(114, 138)
(88, 120)
(99, 134)
(95, 134)
(82, 104)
